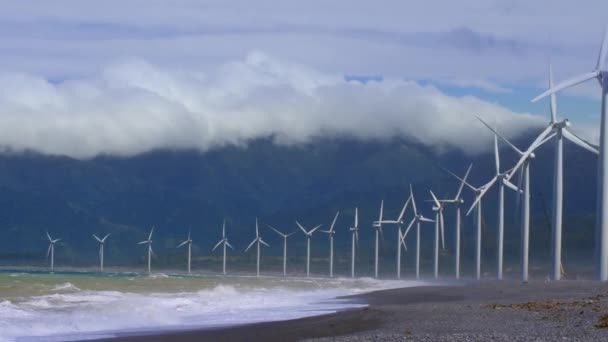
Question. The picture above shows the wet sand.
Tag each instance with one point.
(479, 311)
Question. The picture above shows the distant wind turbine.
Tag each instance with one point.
(308, 236)
(189, 243)
(101, 245)
(258, 240)
(284, 236)
(416, 220)
(378, 226)
(600, 73)
(331, 232)
(51, 250)
(224, 242)
(399, 223)
(355, 242)
(150, 252)
(439, 227)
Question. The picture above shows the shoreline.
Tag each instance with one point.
(504, 311)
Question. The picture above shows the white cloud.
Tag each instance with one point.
(134, 106)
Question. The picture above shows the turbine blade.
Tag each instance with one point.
(264, 243)
(356, 217)
(510, 185)
(48, 251)
(441, 225)
(224, 229)
(151, 232)
(278, 232)
(315, 228)
(217, 245)
(496, 154)
(601, 58)
(500, 136)
(435, 199)
(142, 242)
(183, 243)
(49, 236)
(229, 245)
(424, 219)
(257, 232)
(409, 226)
(529, 151)
(381, 210)
(402, 213)
(481, 194)
(578, 141)
(568, 83)
(96, 238)
(553, 103)
(105, 237)
(333, 223)
(251, 244)
(299, 225)
(413, 200)
(460, 179)
(466, 175)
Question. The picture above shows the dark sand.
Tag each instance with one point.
(489, 310)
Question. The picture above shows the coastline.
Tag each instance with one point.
(502, 311)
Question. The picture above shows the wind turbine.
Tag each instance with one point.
(439, 225)
(601, 74)
(355, 241)
(417, 219)
(378, 226)
(561, 130)
(189, 243)
(399, 223)
(285, 236)
(258, 240)
(150, 252)
(457, 201)
(331, 232)
(224, 242)
(101, 244)
(502, 178)
(308, 236)
(51, 250)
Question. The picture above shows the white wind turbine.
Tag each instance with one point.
(561, 130)
(224, 242)
(284, 236)
(355, 242)
(458, 201)
(189, 243)
(439, 226)
(416, 220)
(399, 223)
(331, 232)
(502, 179)
(101, 245)
(150, 252)
(601, 74)
(51, 250)
(258, 240)
(308, 236)
(378, 226)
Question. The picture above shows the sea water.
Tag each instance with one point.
(40, 306)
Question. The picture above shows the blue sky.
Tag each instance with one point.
(68, 56)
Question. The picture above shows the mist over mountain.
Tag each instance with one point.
(178, 190)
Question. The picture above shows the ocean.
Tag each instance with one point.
(60, 306)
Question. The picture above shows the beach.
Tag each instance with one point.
(508, 310)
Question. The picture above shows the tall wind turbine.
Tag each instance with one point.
(561, 130)
(101, 245)
(225, 243)
(601, 74)
(457, 201)
(378, 226)
(355, 242)
(439, 226)
(189, 243)
(51, 250)
(258, 240)
(150, 252)
(284, 236)
(331, 232)
(308, 236)
(500, 178)
(399, 223)
(418, 218)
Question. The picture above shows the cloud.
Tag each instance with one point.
(134, 106)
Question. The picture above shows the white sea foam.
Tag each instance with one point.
(68, 312)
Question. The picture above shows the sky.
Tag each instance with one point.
(125, 77)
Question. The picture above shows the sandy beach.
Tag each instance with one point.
(489, 310)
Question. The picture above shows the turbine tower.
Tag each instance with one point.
(457, 201)
(284, 236)
(225, 243)
(258, 240)
(500, 178)
(51, 250)
(355, 242)
(418, 218)
(331, 232)
(189, 243)
(101, 245)
(308, 236)
(378, 226)
(601, 74)
(150, 252)
(439, 226)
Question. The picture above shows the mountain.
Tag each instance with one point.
(178, 190)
